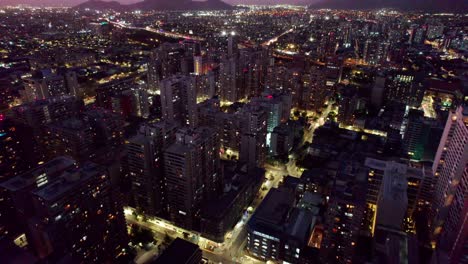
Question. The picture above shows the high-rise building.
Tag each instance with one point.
(71, 137)
(79, 213)
(315, 90)
(345, 217)
(192, 174)
(378, 90)
(253, 129)
(421, 136)
(107, 127)
(229, 89)
(450, 204)
(17, 190)
(348, 104)
(205, 85)
(153, 76)
(232, 44)
(279, 230)
(72, 84)
(282, 139)
(405, 88)
(198, 65)
(38, 114)
(273, 106)
(44, 87)
(145, 154)
(392, 201)
(178, 100)
(105, 91)
(418, 182)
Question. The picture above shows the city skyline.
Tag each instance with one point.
(203, 133)
(76, 2)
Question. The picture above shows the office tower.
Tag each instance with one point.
(451, 195)
(192, 174)
(405, 88)
(71, 137)
(145, 165)
(178, 100)
(76, 212)
(253, 129)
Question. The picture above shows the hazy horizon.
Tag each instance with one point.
(75, 2)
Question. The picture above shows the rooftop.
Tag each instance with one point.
(68, 181)
(34, 176)
(275, 207)
(179, 251)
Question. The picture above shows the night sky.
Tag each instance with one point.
(74, 2)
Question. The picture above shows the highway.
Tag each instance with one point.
(159, 32)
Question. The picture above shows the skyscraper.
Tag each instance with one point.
(253, 139)
(191, 173)
(405, 87)
(178, 100)
(66, 209)
(450, 203)
(228, 88)
(145, 165)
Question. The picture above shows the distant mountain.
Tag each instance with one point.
(157, 5)
(405, 5)
(101, 5)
